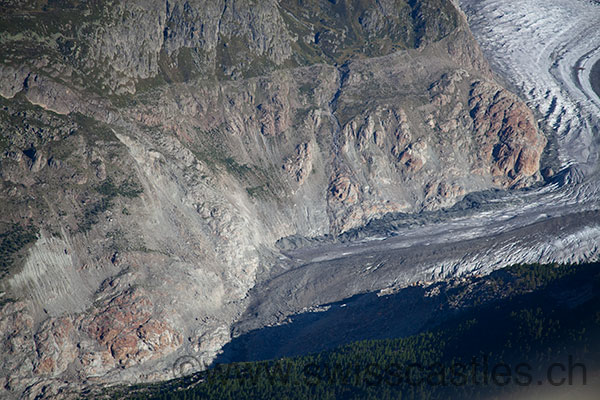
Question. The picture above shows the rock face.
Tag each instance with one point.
(299, 166)
(153, 153)
(126, 328)
(506, 133)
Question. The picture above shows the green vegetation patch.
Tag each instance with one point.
(14, 239)
(333, 32)
(212, 150)
(108, 192)
(336, 31)
(127, 189)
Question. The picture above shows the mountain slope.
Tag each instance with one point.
(153, 153)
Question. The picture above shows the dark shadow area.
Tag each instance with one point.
(595, 78)
(407, 312)
(364, 316)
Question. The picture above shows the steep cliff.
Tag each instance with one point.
(152, 154)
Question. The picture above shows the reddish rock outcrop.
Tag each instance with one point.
(126, 327)
(55, 345)
(343, 190)
(506, 133)
(299, 166)
(273, 116)
(413, 158)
